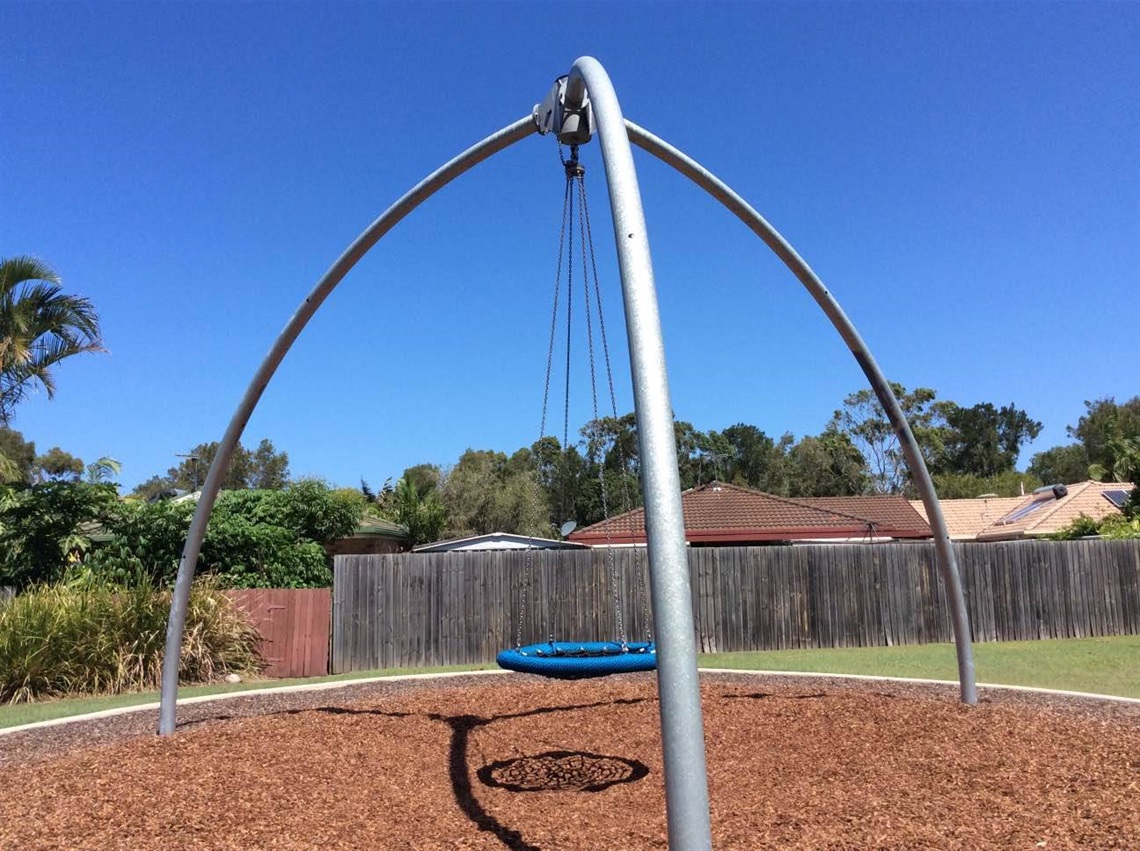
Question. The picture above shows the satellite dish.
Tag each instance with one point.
(568, 527)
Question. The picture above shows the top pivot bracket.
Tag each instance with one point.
(566, 112)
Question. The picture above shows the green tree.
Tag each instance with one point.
(57, 465)
(266, 468)
(612, 442)
(866, 424)
(422, 514)
(154, 488)
(1122, 461)
(484, 493)
(563, 476)
(103, 470)
(982, 440)
(40, 326)
(17, 456)
(1102, 427)
(757, 461)
(262, 468)
(969, 486)
(609, 482)
(1060, 465)
(827, 465)
(255, 539)
(425, 478)
(376, 503)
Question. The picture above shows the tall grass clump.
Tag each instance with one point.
(90, 636)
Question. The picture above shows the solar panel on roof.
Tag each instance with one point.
(1019, 513)
(1116, 497)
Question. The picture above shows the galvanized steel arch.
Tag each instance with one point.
(586, 70)
(947, 564)
(360, 246)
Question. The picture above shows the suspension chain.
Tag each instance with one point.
(627, 503)
(611, 565)
(528, 563)
(575, 193)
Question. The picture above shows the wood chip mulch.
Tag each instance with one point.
(520, 763)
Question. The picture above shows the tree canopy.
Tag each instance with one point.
(262, 468)
(40, 326)
(1108, 443)
(982, 440)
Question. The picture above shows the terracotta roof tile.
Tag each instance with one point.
(726, 513)
(980, 519)
(1083, 498)
(967, 518)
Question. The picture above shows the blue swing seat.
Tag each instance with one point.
(577, 660)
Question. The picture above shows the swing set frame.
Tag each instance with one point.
(585, 98)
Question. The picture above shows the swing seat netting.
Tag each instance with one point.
(577, 660)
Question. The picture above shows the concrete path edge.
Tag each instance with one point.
(144, 707)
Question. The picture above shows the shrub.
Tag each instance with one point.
(255, 538)
(45, 526)
(1112, 526)
(1116, 526)
(89, 636)
(1082, 526)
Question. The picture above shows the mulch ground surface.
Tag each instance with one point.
(521, 763)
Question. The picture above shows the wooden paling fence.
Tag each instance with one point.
(294, 625)
(413, 610)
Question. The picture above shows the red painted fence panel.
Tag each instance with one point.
(294, 626)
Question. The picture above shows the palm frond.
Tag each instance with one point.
(16, 270)
(40, 326)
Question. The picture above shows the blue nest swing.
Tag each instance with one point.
(578, 660)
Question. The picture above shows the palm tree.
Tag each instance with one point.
(40, 325)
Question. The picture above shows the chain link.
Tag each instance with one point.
(528, 564)
(627, 502)
(575, 180)
(611, 565)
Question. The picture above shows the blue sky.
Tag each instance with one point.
(964, 177)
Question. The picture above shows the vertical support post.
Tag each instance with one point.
(682, 729)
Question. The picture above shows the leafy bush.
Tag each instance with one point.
(147, 540)
(1116, 526)
(255, 539)
(89, 636)
(1112, 526)
(45, 527)
(1082, 526)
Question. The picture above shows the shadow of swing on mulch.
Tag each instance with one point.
(551, 771)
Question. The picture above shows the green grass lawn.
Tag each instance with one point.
(1101, 665)
(29, 713)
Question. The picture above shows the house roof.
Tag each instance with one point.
(982, 519)
(721, 513)
(496, 541)
(967, 518)
(1084, 498)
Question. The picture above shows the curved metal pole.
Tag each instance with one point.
(389, 219)
(947, 564)
(682, 731)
